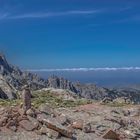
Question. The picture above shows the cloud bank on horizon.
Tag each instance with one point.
(86, 69)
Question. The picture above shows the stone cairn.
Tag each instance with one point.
(26, 98)
(42, 121)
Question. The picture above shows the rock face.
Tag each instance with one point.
(6, 90)
(4, 66)
(91, 91)
(2, 94)
(61, 83)
(12, 79)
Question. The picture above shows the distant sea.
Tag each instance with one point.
(106, 78)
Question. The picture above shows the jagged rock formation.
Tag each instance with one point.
(61, 83)
(92, 91)
(12, 79)
(132, 94)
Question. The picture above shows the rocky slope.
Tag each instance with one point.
(57, 115)
(86, 122)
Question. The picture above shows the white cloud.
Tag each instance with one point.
(49, 14)
(86, 69)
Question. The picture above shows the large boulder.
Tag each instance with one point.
(7, 91)
(28, 125)
(110, 134)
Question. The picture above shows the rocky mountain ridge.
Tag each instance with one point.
(92, 91)
(12, 79)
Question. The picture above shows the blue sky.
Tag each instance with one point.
(36, 34)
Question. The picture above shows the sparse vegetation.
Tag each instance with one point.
(47, 97)
(10, 102)
(116, 104)
(55, 101)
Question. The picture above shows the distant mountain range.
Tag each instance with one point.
(12, 79)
